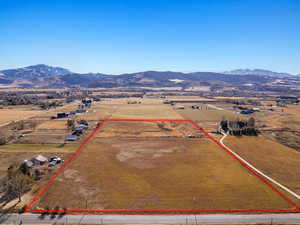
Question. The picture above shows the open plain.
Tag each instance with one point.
(143, 171)
(136, 163)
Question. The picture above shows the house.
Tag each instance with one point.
(71, 138)
(39, 160)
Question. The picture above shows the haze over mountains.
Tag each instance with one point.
(258, 72)
(44, 76)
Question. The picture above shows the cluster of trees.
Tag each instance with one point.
(239, 127)
(4, 137)
(14, 185)
(18, 100)
(72, 123)
(48, 105)
(244, 102)
(32, 98)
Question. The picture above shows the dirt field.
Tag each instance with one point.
(139, 173)
(276, 160)
(148, 129)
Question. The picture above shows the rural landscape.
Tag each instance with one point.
(160, 112)
(149, 149)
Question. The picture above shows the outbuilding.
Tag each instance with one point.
(62, 115)
(180, 107)
(71, 138)
(39, 160)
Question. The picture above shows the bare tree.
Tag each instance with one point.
(17, 184)
(3, 138)
(71, 124)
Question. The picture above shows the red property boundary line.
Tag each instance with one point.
(100, 125)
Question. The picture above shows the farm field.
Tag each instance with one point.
(284, 127)
(8, 115)
(142, 111)
(148, 129)
(276, 160)
(12, 114)
(155, 165)
(156, 173)
(57, 124)
(208, 118)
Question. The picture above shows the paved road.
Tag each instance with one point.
(258, 171)
(154, 219)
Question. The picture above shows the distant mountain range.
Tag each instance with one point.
(257, 72)
(44, 76)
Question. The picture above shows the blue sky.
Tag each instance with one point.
(115, 36)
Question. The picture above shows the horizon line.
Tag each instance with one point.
(143, 71)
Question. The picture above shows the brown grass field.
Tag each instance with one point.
(281, 125)
(17, 113)
(142, 111)
(53, 124)
(208, 118)
(276, 160)
(8, 115)
(148, 129)
(157, 173)
(130, 165)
